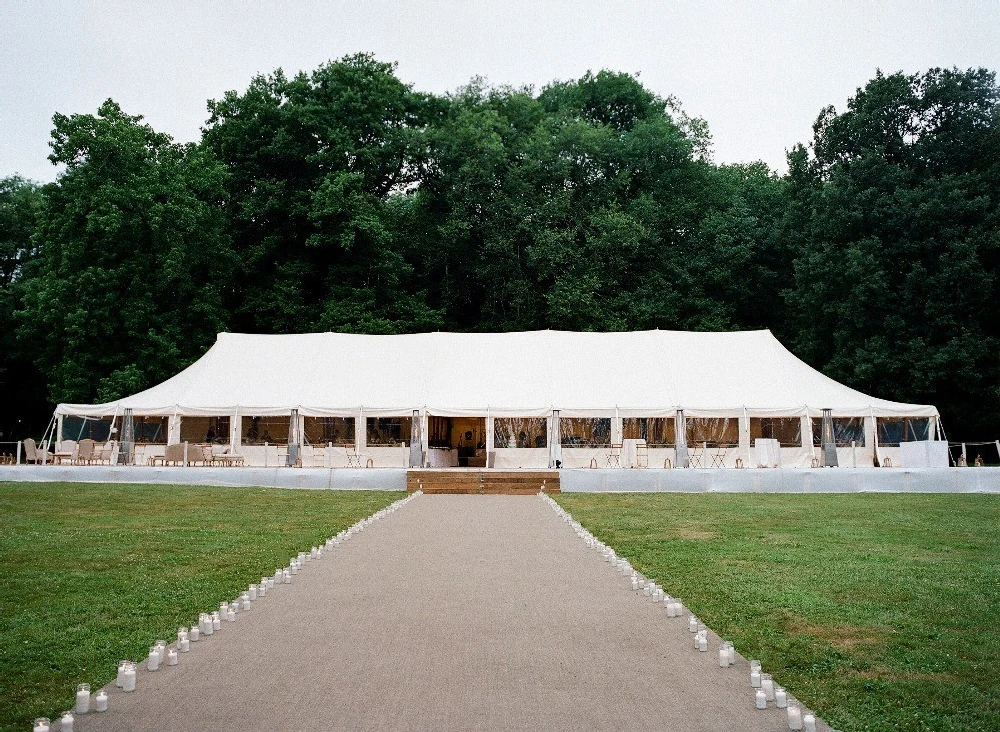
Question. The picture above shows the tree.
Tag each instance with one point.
(313, 160)
(21, 202)
(134, 264)
(895, 289)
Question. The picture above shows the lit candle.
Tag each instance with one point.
(252, 592)
(207, 622)
(235, 605)
(767, 686)
(101, 701)
(120, 679)
(808, 722)
(128, 679)
(723, 657)
(82, 698)
(216, 621)
(755, 674)
(780, 697)
(286, 577)
(692, 624)
(277, 576)
(231, 616)
(171, 657)
(760, 701)
(153, 662)
(195, 634)
(703, 643)
(182, 633)
(246, 601)
(794, 714)
(41, 725)
(66, 723)
(184, 644)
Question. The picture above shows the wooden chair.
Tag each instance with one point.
(32, 454)
(641, 454)
(615, 456)
(85, 451)
(68, 450)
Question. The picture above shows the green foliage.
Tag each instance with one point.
(134, 261)
(97, 573)
(876, 610)
(896, 218)
(342, 199)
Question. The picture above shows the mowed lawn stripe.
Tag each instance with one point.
(94, 573)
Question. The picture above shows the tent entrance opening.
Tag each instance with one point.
(456, 442)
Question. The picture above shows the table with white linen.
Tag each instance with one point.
(767, 452)
(630, 453)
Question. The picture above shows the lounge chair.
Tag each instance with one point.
(32, 454)
(85, 452)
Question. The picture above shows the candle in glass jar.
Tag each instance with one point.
(101, 701)
(262, 587)
(66, 723)
(41, 725)
(184, 645)
(120, 679)
(171, 657)
(195, 634)
(635, 584)
(760, 701)
(286, 577)
(703, 643)
(808, 723)
(153, 661)
(128, 678)
(755, 674)
(692, 624)
(252, 592)
(780, 697)
(246, 602)
(82, 699)
(294, 569)
(216, 621)
(231, 616)
(794, 714)
(723, 657)
(767, 686)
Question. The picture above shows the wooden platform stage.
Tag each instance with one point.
(482, 481)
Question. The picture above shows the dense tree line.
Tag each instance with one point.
(345, 200)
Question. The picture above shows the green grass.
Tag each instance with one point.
(882, 612)
(95, 573)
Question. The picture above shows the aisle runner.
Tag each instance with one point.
(457, 612)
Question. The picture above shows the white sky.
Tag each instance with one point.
(759, 73)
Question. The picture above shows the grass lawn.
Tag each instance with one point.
(96, 573)
(880, 611)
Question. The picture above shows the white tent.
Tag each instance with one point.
(542, 374)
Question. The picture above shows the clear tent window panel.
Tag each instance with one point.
(520, 432)
(585, 431)
(656, 431)
(845, 431)
(786, 430)
(894, 430)
(213, 430)
(338, 431)
(389, 431)
(713, 431)
(265, 430)
(97, 429)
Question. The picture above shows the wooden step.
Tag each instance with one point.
(482, 481)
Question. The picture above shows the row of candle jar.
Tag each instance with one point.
(769, 692)
(208, 623)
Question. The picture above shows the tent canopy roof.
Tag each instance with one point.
(642, 373)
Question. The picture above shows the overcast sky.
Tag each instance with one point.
(759, 73)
